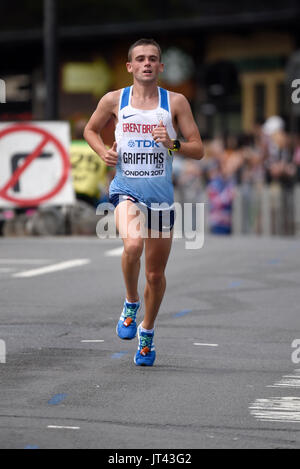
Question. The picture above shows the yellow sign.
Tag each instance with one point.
(81, 77)
(88, 170)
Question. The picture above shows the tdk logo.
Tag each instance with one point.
(143, 144)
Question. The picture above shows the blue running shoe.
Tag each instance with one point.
(127, 327)
(146, 354)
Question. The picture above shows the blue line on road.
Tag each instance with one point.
(183, 313)
(31, 447)
(118, 355)
(57, 399)
(235, 284)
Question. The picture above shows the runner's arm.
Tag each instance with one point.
(192, 147)
(97, 122)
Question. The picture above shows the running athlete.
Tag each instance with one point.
(148, 119)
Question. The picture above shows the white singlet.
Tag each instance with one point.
(144, 168)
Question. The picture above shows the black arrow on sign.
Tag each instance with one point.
(15, 164)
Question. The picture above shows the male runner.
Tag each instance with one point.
(147, 120)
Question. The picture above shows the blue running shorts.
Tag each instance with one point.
(158, 220)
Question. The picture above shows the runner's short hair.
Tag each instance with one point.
(144, 42)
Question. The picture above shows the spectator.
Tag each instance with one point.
(191, 181)
(251, 181)
(232, 158)
(281, 175)
(296, 158)
(220, 191)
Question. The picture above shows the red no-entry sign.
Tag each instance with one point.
(36, 139)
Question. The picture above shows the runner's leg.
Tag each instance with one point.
(133, 249)
(157, 252)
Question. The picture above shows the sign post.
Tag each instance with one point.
(2, 92)
(50, 58)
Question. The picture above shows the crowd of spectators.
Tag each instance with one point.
(251, 175)
(246, 169)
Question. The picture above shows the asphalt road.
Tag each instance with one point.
(224, 375)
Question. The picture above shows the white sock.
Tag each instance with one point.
(147, 331)
(129, 303)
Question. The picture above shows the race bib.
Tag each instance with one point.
(143, 165)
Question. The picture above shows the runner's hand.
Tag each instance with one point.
(111, 157)
(160, 135)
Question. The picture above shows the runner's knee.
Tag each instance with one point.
(155, 279)
(133, 249)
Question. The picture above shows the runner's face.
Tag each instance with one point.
(145, 64)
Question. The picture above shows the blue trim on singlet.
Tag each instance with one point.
(164, 102)
(125, 97)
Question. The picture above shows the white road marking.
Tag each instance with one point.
(288, 381)
(277, 409)
(25, 261)
(206, 345)
(56, 427)
(92, 341)
(53, 268)
(115, 252)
